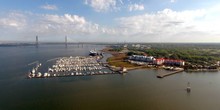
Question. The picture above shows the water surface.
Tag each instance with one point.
(137, 90)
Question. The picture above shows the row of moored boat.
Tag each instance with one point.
(72, 66)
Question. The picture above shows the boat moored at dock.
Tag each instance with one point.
(73, 66)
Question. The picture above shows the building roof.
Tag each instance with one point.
(171, 60)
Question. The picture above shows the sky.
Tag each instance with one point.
(110, 20)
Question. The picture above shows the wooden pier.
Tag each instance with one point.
(162, 75)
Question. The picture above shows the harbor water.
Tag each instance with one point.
(137, 90)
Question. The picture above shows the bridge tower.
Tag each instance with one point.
(66, 41)
(37, 42)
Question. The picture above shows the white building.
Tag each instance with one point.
(142, 58)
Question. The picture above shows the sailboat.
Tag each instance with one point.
(188, 88)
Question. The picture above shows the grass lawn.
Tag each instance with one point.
(118, 60)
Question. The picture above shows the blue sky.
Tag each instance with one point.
(110, 20)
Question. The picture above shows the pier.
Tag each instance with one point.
(162, 75)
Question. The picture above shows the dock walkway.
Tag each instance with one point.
(162, 75)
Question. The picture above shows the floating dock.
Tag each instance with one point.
(52, 75)
(162, 75)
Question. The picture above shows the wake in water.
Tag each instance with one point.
(53, 59)
(33, 63)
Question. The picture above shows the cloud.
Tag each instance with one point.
(13, 21)
(65, 19)
(68, 24)
(166, 25)
(102, 5)
(172, 1)
(21, 24)
(49, 7)
(135, 7)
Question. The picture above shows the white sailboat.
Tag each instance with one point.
(188, 88)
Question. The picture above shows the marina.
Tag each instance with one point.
(73, 66)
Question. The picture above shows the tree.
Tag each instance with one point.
(174, 56)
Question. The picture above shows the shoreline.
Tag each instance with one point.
(117, 59)
(202, 70)
(136, 66)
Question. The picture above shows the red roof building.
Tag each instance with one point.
(158, 61)
(171, 62)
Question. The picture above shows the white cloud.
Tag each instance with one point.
(49, 7)
(172, 1)
(102, 5)
(47, 25)
(13, 20)
(65, 19)
(64, 24)
(135, 7)
(166, 25)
